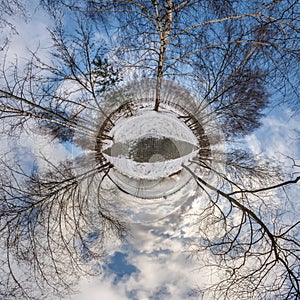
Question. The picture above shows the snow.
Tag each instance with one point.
(157, 177)
(156, 124)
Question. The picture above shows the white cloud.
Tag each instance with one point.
(97, 289)
(164, 270)
(254, 144)
(277, 136)
(32, 34)
(32, 149)
(158, 252)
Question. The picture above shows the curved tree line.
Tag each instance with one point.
(239, 56)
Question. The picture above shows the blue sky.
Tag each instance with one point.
(153, 263)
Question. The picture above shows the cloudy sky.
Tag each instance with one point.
(154, 263)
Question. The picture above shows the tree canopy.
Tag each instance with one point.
(221, 65)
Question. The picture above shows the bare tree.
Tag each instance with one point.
(52, 229)
(54, 220)
(240, 56)
(237, 55)
(218, 47)
(250, 230)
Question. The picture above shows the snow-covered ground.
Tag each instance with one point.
(155, 124)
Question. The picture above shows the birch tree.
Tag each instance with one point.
(232, 51)
(54, 224)
(238, 56)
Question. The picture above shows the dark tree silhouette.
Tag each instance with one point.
(218, 47)
(54, 222)
(254, 245)
(238, 56)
